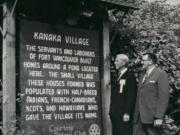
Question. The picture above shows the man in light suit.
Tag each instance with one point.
(152, 98)
(123, 95)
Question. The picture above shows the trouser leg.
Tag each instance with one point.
(120, 127)
(151, 130)
(138, 128)
(125, 128)
(114, 126)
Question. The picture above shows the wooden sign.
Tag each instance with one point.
(59, 80)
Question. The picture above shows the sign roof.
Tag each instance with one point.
(120, 3)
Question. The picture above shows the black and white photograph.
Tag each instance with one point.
(90, 67)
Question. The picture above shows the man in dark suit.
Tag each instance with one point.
(123, 95)
(152, 98)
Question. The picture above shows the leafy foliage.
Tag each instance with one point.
(153, 28)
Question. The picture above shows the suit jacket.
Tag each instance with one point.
(123, 95)
(152, 97)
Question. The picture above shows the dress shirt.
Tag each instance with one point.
(121, 72)
(148, 73)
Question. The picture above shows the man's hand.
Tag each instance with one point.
(158, 122)
(126, 117)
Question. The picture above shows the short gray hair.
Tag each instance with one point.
(123, 57)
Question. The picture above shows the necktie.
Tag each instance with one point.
(145, 77)
(118, 77)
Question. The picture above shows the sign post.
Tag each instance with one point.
(9, 70)
(106, 87)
